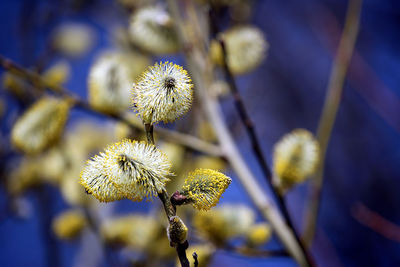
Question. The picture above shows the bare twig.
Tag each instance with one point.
(375, 222)
(196, 260)
(186, 140)
(170, 209)
(200, 71)
(331, 105)
(252, 252)
(250, 129)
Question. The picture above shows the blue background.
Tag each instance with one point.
(285, 92)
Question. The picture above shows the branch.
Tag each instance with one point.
(255, 143)
(189, 141)
(251, 252)
(375, 222)
(170, 209)
(200, 71)
(331, 105)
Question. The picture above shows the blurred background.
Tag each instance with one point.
(359, 215)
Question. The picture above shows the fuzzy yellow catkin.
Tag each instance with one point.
(73, 39)
(41, 125)
(204, 187)
(24, 176)
(151, 28)
(221, 224)
(110, 80)
(245, 46)
(164, 92)
(127, 169)
(175, 153)
(176, 230)
(69, 224)
(82, 140)
(57, 74)
(13, 84)
(258, 234)
(296, 157)
(206, 131)
(135, 231)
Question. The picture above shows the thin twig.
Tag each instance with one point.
(250, 129)
(200, 71)
(375, 222)
(186, 140)
(251, 252)
(196, 260)
(170, 209)
(331, 105)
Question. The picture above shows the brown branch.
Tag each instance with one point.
(251, 252)
(375, 222)
(190, 142)
(200, 70)
(255, 143)
(331, 105)
(362, 77)
(170, 209)
(196, 260)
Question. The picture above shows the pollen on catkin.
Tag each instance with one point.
(164, 92)
(245, 48)
(296, 157)
(176, 230)
(97, 183)
(204, 187)
(137, 169)
(41, 125)
(151, 29)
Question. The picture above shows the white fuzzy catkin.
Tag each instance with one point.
(296, 157)
(127, 169)
(164, 92)
(246, 48)
(41, 125)
(151, 29)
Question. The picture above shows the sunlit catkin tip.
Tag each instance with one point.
(41, 125)
(69, 224)
(204, 187)
(176, 231)
(97, 183)
(110, 82)
(246, 48)
(151, 29)
(164, 92)
(296, 157)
